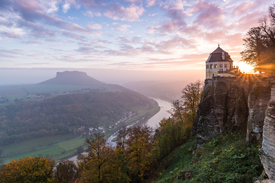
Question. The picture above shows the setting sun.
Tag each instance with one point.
(244, 67)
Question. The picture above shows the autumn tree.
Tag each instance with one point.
(103, 163)
(138, 151)
(66, 171)
(32, 169)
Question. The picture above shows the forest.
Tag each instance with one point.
(60, 114)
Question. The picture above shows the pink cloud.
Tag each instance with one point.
(210, 14)
(247, 21)
(119, 12)
(176, 22)
(175, 42)
(123, 28)
(243, 8)
(233, 40)
(94, 26)
(151, 2)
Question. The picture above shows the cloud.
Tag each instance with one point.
(176, 42)
(36, 29)
(94, 26)
(93, 3)
(210, 15)
(66, 7)
(123, 28)
(243, 8)
(74, 35)
(5, 4)
(4, 34)
(32, 11)
(119, 12)
(233, 40)
(176, 22)
(151, 3)
(135, 39)
(151, 30)
(133, 1)
(247, 21)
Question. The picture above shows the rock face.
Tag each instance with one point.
(257, 104)
(267, 152)
(230, 103)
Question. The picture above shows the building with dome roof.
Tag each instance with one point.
(219, 63)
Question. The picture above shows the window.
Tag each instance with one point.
(223, 56)
(220, 65)
(215, 66)
(207, 66)
(225, 65)
(211, 66)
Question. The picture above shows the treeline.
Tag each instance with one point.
(138, 152)
(56, 116)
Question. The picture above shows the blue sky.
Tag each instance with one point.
(125, 34)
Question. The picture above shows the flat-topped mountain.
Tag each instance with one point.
(73, 78)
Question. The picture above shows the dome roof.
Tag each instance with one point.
(219, 55)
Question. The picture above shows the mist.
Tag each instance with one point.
(18, 76)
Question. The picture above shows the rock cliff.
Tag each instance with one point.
(230, 103)
(267, 152)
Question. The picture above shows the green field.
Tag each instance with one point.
(62, 146)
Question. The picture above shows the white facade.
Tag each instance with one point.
(213, 68)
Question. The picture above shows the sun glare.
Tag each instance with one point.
(245, 68)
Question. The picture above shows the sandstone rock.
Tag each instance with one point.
(227, 103)
(257, 104)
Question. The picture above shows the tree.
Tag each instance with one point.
(138, 151)
(103, 163)
(66, 171)
(185, 110)
(32, 169)
(121, 136)
(80, 149)
(260, 44)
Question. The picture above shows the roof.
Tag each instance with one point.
(219, 55)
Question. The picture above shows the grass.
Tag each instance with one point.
(36, 143)
(226, 158)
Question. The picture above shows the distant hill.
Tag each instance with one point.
(72, 78)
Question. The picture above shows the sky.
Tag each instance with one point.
(120, 36)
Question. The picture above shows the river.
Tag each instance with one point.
(152, 122)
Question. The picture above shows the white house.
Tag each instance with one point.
(219, 63)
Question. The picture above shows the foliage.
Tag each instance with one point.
(66, 171)
(103, 163)
(168, 136)
(80, 149)
(58, 115)
(260, 44)
(32, 169)
(185, 110)
(138, 151)
(226, 158)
